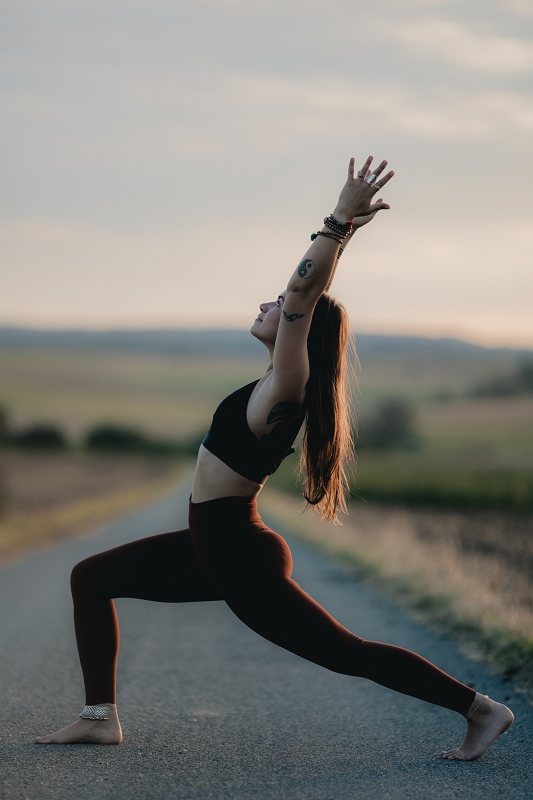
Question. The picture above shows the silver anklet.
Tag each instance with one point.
(95, 712)
(485, 697)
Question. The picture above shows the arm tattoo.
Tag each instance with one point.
(306, 268)
(292, 317)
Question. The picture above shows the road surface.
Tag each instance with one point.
(211, 710)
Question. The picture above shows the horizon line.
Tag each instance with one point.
(458, 336)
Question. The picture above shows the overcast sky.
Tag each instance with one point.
(165, 161)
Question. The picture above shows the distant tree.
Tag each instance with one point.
(520, 382)
(4, 500)
(119, 438)
(524, 377)
(4, 424)
(115, 437)
(39, 437)
(392, 426)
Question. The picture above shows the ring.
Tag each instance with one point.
(377, 186)
(360, 174)
(371, 178)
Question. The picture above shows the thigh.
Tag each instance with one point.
(162, 568)
(282, 612)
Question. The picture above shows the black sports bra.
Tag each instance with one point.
(230, 438)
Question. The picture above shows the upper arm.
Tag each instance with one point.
(291, 362)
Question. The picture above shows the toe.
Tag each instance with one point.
(457, 756)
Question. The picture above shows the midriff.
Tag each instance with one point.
(214, 479)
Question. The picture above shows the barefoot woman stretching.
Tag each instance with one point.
(228, 553)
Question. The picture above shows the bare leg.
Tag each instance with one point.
(486, 720)
(88, 731)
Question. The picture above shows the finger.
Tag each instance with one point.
(380, 169)
(363, 172)
(382, 181)
(351, 169)
(379, 206)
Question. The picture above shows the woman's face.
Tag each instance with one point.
(265, 327)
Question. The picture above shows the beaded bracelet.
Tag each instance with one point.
(340, 228)
(327, 235)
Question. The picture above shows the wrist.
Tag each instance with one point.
(341, 214)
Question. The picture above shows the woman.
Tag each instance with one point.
(227, 553)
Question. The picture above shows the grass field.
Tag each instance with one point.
(472, 453)
(163, 395)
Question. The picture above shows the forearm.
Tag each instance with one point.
(316, 270)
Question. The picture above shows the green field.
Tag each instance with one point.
(162, 395)
(471, 452)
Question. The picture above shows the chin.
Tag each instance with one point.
(256, 332)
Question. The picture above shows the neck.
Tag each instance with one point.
(270, 348)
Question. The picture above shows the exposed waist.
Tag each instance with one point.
(213, 479)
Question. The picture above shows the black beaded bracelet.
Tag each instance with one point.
(327, 235)
(341, 228)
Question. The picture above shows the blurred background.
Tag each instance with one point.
(164, 164)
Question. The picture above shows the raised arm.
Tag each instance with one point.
(315, 272)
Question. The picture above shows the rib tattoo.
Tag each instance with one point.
(283, 416)
(282, 412)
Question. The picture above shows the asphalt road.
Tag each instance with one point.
(211, 710)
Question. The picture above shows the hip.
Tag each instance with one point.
(228, 534)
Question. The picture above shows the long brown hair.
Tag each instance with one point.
(327, 449)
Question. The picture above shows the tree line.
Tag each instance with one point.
(107, 437)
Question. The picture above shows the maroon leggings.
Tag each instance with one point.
(229, 554)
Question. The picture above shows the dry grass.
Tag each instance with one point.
(41, 481)
(467, 571)
(53, 497)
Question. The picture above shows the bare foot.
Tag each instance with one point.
(485, 724)
(88, 731)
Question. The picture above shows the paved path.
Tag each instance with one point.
(211, 710)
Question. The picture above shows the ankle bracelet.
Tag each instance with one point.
(95, 712)
(485, 697)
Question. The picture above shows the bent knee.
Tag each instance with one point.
(84, 578)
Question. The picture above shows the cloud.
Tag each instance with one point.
(159, 119)
(40, 231)
(452, 43)
(331, 105)
(125, 122)
(519, 7)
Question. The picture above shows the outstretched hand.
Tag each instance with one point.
(355, 200)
